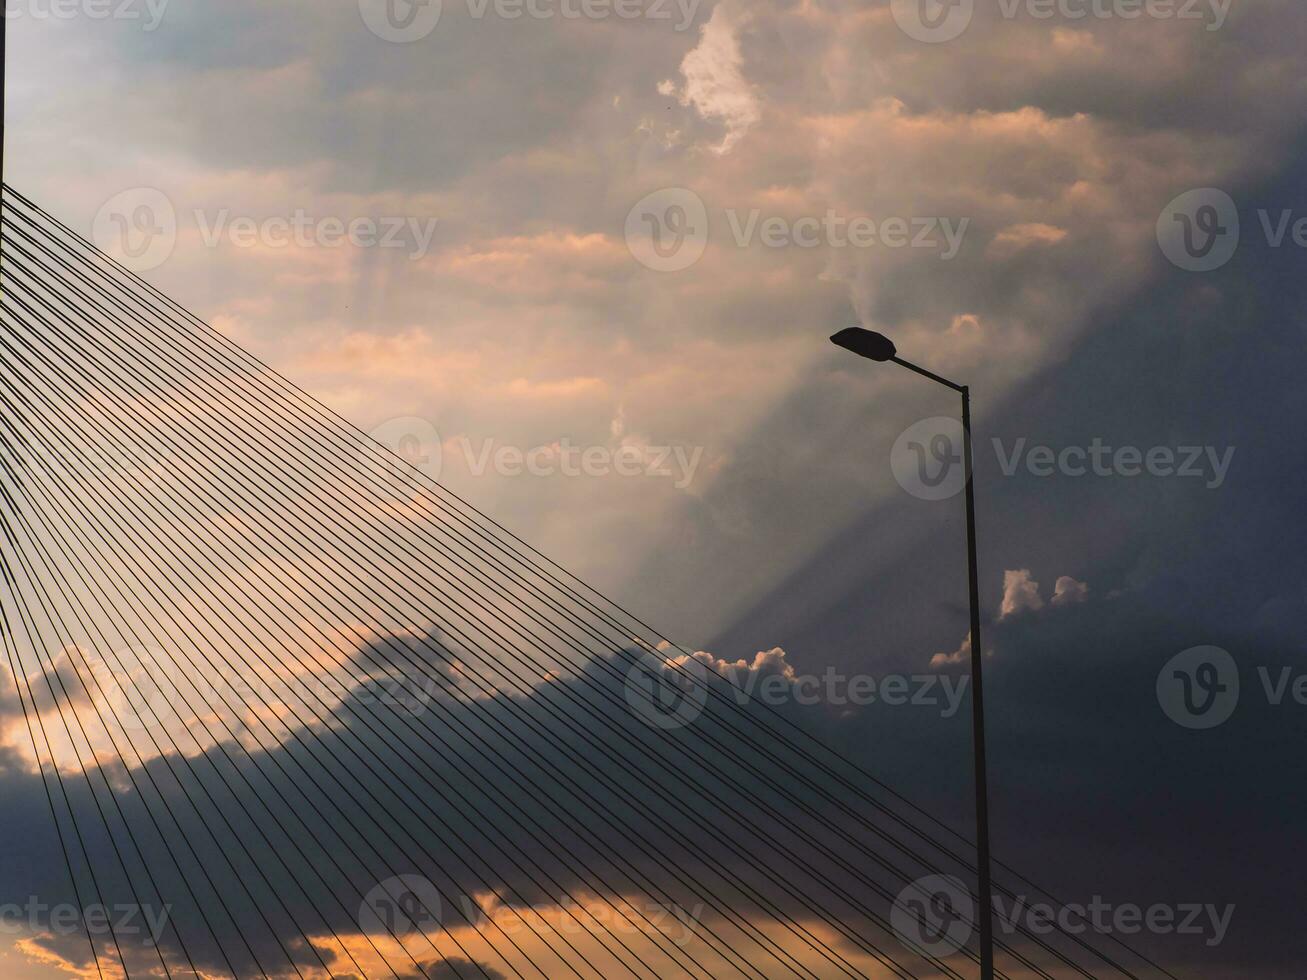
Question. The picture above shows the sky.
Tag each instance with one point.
(580, 263)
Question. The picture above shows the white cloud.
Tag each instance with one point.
(1020, 593)
(1068, 590)
(765, 662)
(714, 82)
(961, 655)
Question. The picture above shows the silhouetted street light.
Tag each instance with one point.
(876, 347)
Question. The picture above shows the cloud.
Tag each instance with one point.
(961, 655)
(447, 969)
(1020, 593)
(714, 83)
(765, 663)
(440, 809)
(1010, 240)
(1054, 158)
(1068, 590)
(1059, 145)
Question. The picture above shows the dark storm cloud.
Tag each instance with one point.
(416, 117)
(524, 797)
(1096, 790)
(441, 970)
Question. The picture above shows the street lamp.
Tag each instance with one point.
(876, 347)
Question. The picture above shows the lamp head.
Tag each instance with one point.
(865, 343)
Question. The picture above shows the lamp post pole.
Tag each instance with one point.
(879, 348)
(986, 885)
